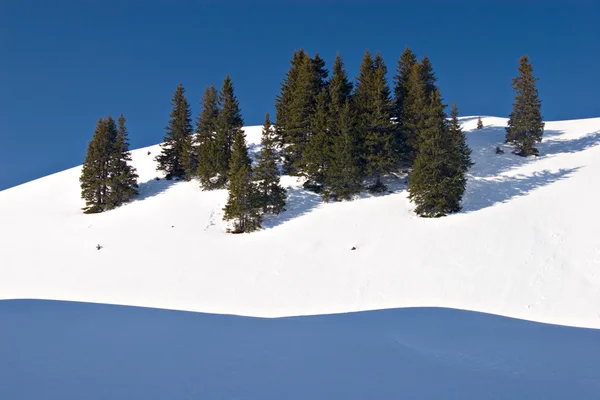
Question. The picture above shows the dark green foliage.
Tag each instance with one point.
(340, 89)
(206, 147)
(479, 123)
(122, 178)
(525, 127)
(427, 76)
(413, 113)
(374, 112)
(460, 140)
(229, 121)
(107, 181)
(343, 177)
(405, 65)
(176, 142)
(438, 181)
(316, 154)
(271, 194)
(295, 106)
(243, 203)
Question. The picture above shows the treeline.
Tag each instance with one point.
(341, 137)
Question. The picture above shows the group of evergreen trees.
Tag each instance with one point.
(343, 137)
(107, 180)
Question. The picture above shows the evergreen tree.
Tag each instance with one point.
(95, 172)
(413, 113)
(343, 176)
(176, 143)
(271, 194)
(460, 140)
(317, 151)
(525, 127)
(122, 177)
(427, 76)
(229, 121)
(243, 203)
(479, 123)
(405, 65)
(340, 89)
(438, 181)
(284, 99)
(374, 111)
(207, 149)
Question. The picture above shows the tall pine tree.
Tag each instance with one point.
(438, 181)
(284, 99)
(271, 194)
(122, 177)
(229, 121)
(525, 127)
(413, 113)
(317, 151)
(207, 149)
(243, 204)
(405, 65)
(176, 143)
(340, 89)
(374, 112)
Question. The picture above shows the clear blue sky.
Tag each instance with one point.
(64, 64)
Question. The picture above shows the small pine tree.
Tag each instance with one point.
(479, 123)
(175, 140)
(95, 172)
(525, 127)
(122, 177)
(229, 121)
(438, 180)
(243, 203)
(266, 174)
(343, 178)
(207, 150)
(460, 140)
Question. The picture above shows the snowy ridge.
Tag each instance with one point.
(526, 244)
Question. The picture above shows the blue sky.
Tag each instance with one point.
(64, 64)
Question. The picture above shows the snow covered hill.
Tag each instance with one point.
(526, 244)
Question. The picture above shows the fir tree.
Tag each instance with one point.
(525, 127)
(403, 70)
(340, 89)
(479, 123)
(460, 140)
(284, 99)
(343, 177)
(175, 140)
(438, 180)
(229, 121)
(95, 172)
(374, 111)
(427, 76)
(317, 151)
(206, 128)
(413, 113)
(243, 203)
(271, 194)
(122, 177)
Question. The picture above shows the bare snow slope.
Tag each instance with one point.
(526, 245)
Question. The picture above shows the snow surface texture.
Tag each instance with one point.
(74, 351)
(526, 244)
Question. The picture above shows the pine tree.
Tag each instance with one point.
(205, 141)
(122, 178)
(343, 177)
(316, 153)
(460, 140)
(243, 203)
(229, 121)
(340, 89)
(374, 111)
(479, 123)
(405, 65)
(525, 127)
(175, 140)
(271, 194)
(413, 113)
(94, 177)
(438, 181)
(427, 76)
(284, 99)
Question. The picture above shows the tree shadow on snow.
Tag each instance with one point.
(153, 188)
(482, 193)
(299, 202)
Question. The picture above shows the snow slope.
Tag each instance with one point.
(525, 246)
(74, 351)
